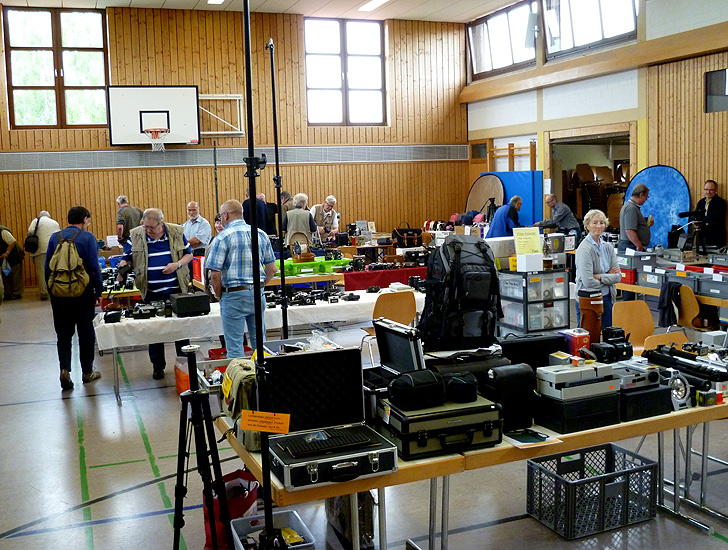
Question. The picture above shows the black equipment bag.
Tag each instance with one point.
(533, 349)
(513, 386)
(461, 387)
(407, 237)
(463, 296)
(419, 389)
(32, 241)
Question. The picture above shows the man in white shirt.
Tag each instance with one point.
(326, 218)
(43, 226)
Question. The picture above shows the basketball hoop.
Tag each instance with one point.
(156, 136)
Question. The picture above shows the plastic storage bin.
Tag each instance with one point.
(242, 527)
(713, 285)
(588, 491)
(637, 260)
(537, 316)
(653, 279)
(543, 285)
(684, 278)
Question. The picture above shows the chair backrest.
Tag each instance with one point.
(688, 308)
(348, 251)
(399, 307)
(301, 239)
(636, 320)
(665, 339)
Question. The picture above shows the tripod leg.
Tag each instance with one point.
(217, 471)
(203, 463)
(180, 491)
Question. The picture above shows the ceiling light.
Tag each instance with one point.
(216, 2)
(372, 5)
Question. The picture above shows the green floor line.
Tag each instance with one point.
(116, 463)
(720, 537)
(83, 470)
(148, 448)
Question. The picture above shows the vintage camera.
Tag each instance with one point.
(333, 299)
(332, 254)
(373, 289)
(414, 281)
(357, 263)
(604, 351)
(158, 308)
(144, 311)
(617, 338)
(302, 299)
(696, 348)
(351, 297)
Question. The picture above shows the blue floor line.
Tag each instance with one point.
(84, 524)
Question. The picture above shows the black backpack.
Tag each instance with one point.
(463, 296)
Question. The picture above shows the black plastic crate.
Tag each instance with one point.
(588, 491)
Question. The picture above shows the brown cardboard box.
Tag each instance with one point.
(113, 251)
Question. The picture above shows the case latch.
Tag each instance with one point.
(374, 461)
(312, 469)
(422, 438)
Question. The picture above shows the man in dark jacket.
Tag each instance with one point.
(712, 210)
(69, 313)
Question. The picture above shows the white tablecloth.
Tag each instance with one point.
(132, 332)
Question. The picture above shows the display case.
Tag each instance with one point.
(535, 301)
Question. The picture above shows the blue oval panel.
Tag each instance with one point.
(669, 195)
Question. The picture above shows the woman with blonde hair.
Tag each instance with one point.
(596, 265)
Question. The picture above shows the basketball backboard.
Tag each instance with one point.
(132, 109)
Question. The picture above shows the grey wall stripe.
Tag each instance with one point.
(124, 158)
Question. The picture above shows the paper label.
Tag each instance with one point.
(276, 423)
(226, 385)
(718, 277)
(528, 240)
(660, 270)
(708, 270)
(387, 412)
(629, 252)
(647, 268)
(680, 267)
(681, 274)
(535, 279)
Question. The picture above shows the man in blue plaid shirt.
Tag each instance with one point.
(231, 276)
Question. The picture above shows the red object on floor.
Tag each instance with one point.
(361, 280)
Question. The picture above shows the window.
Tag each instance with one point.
(716, 91)
(579, 24)
(344, 72)
(502, 40)
(57, 68)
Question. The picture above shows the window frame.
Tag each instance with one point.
(603, 43)
(59, 87)
(508, 68)
(345, 88)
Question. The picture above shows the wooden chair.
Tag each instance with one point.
(636, 319)
(348, 251)
(395, 306)
(665, 339)
(688, 311)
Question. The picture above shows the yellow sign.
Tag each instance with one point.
(528, 240)
(227, 383)
(265, 422)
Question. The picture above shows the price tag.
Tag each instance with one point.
(708, 270)
(718, 277)
(660, 270)
(680, 267)
(227, 383)
(265, 422)
(681, 274)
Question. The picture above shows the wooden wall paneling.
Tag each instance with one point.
(170, 42)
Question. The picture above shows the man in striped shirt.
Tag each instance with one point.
(231, 275)
(159, 253)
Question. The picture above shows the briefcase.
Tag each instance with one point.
(400, 350)
(449, 428)
(322, 391)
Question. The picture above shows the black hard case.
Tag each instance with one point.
(452, 427)
(578, 414)
(301, 473)
(643, 403)
(321, 389)
(513, 386)
(400, 350)
(533, 349)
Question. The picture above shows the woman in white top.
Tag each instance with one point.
(596, 265)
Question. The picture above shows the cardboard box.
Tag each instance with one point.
(113, 251)
(529, 262)
(575, 340)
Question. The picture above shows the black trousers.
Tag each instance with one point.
(156, 351)
(69, 314)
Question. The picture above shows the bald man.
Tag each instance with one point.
(561, 217)
(197, 229)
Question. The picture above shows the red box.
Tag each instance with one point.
(575, 340)
(197, 268)
(629, 276)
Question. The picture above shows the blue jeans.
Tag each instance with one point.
(606, 316)
(238, 309)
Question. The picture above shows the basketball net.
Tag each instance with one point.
(156, 136)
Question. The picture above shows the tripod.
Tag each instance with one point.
(195, 416)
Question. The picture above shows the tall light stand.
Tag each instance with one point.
(277, 180)
(214, 162)
(269, 538)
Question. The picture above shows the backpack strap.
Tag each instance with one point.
(37, 222)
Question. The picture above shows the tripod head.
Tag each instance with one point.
(190, 352)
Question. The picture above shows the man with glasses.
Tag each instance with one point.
(561, 217)
(231, 276)
(712, 210)
(326, 218)
(159, 253)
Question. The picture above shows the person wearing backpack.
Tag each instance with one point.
(74, 305)
(42, 227)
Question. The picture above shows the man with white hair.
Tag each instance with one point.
(326, 218)
(299, 220)
(43, 227)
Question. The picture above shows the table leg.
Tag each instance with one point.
(116, 358)
(445, 512)
(354, 503)
(688, 461)
(382, 505)
(410, 544)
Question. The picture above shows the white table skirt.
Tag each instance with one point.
(132, 332)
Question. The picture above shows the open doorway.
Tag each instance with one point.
(591, 167)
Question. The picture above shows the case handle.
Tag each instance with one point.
(345, 471)
(455, 442)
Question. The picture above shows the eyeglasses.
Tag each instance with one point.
(709, 189)
(150, 227)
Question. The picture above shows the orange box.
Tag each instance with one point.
(575, 340)
(197, 268)
(181, 378)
